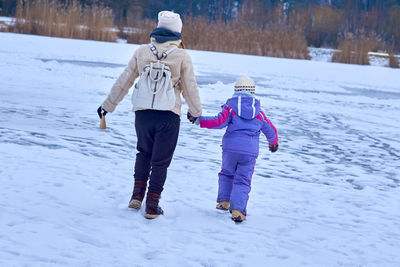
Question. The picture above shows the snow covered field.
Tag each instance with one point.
(329, 197)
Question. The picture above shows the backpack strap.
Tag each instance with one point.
(164, 55)
(169, 51)
(154, 50)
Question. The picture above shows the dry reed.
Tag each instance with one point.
(140, 33)
(354, 50)
(235, 37)
(52, 18)
(198, 33)
(393, 60)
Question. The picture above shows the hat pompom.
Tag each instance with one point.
(245, 84)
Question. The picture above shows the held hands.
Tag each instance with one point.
(273, 148)
(192, 119)
(101, 112)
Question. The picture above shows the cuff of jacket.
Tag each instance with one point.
(108, 106)
(196, 113)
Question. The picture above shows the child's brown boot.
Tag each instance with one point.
(238, 216)
(223, 205)
(139, 189)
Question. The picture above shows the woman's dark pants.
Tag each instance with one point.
(157, 134)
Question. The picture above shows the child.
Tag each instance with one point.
(244, 120)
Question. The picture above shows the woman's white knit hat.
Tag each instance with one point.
(169, 20)
(246, 84)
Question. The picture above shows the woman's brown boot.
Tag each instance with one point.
(152, 208)
(139, 189)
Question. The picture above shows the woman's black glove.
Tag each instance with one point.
(192, 119)
(101, 112)
(273, 148)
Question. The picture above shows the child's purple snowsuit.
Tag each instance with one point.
(240, 145)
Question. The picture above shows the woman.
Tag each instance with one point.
(157, 130)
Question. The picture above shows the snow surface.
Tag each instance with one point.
(329, 197)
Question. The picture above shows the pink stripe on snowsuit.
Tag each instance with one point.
(217, 122)
(272, 137)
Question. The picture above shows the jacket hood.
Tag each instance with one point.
(244, 105)
(162, 47)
